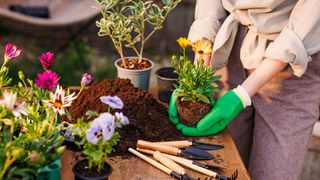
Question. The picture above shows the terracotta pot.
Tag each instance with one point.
(81, 171)
(166, 77)
(190, 113)
(139, 78)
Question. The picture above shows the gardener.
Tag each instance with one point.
(271, 49)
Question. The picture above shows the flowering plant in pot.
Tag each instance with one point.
(97, 139)
(193, 96)
(31, 144)
(126, 22)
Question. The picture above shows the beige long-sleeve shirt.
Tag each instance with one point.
(286, 30)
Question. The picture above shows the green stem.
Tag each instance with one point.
(52, 121)
(6, 166)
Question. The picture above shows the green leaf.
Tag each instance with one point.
(204, 99)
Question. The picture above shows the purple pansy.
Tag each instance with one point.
(86, 79)
(121, 120)
(12, 51)
(47, 80)
(102, 127)
(47, 60)
(113, 101)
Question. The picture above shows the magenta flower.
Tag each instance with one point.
(86, 79)
(47, 60)
(47, 80)
(12, 51)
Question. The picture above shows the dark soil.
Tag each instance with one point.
(133, 64)
(148, 118)
(81, 170)
(190, 113)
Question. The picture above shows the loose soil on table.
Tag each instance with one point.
(133, 64)
(190, 113)
(148, 118)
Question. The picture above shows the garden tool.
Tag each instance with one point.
(191, 153)
(206, 166)
(171, 164)
(195, 144)
(186, 163)
(156, 164)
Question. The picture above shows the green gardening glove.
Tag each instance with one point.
(224, 111)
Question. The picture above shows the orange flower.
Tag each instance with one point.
(202, 47)
(183, 42)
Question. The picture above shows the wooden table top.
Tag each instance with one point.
(133, 168)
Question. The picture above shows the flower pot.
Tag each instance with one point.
(139, 78)
(166, 77)
(51, 171)
(190, 113)
(82, 172)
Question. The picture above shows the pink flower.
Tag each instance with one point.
(12, 51)
(47, 60)
(47, 80)
(86, 79)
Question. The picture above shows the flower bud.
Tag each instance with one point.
(61, 149)
(34, 156)
(21, 75)
(86, 79)
(16, 152)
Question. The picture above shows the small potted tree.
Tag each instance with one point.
(196, 83)
(126, 22)
(97, 139)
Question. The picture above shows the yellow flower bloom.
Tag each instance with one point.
(183, 42)
(202, 47)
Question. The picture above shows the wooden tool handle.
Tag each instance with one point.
(158, 147)
(192, 166)
(169, 156)
(168, 162)
(177, 144)
(151, 161)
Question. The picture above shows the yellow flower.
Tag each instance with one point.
(183, 42)
(202, 47)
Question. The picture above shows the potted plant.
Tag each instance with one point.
(97, 139)
(31, 144)
(126, 22)
(196, 83)
(166, 76)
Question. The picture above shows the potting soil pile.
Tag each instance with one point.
(148, 118)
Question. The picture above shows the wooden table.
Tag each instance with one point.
(134, 168)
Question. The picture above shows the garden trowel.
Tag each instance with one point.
(191, 153)
(195, 144)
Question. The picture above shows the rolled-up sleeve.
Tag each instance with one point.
(209, 15)
(300, 38)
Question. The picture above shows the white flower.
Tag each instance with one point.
(58, 101)
(10, 102)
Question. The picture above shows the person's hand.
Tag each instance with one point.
(223, 112)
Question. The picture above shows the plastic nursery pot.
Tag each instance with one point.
(166, 77)
(50, 172)
(139, 78)
(82, 172)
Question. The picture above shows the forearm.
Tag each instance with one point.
(262, 74)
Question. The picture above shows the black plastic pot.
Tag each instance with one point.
(166, 79)
(82, 172)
